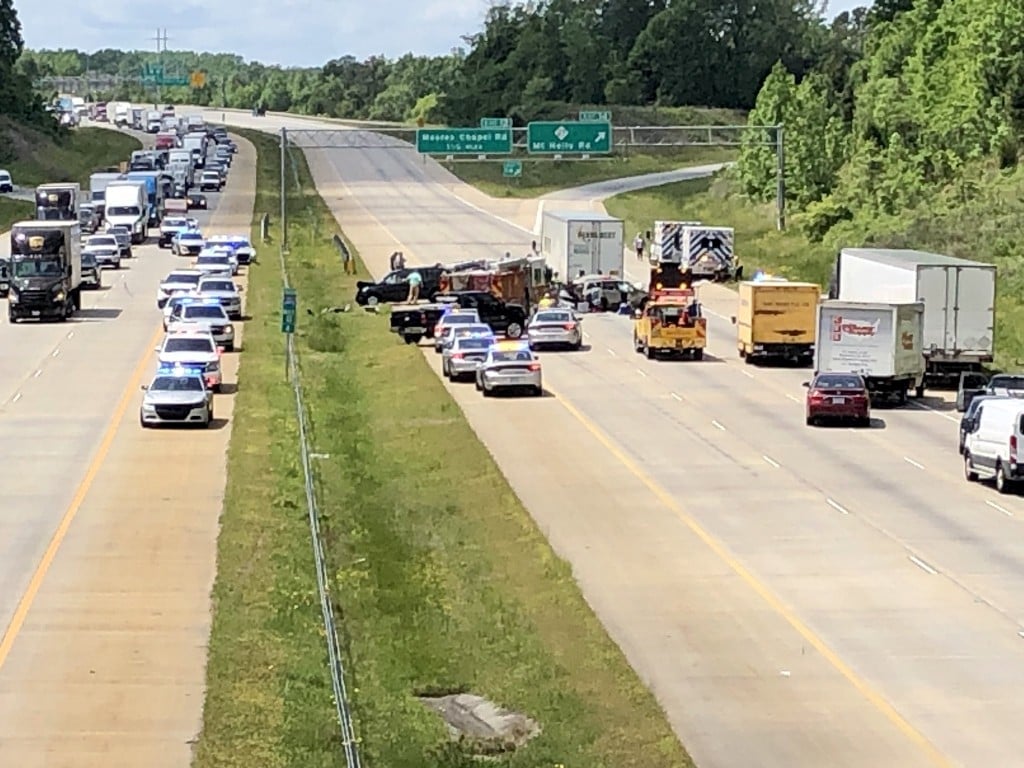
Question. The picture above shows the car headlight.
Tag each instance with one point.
(12, 296)
(59, 295)
(230, 328)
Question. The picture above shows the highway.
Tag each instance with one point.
(793, 596)
(107, 531)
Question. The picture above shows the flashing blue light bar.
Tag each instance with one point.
(181, 369)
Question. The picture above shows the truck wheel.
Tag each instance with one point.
(372, 300)
(649, 352)
(514, 330)
(919, 392)
(698, 354)
(637, 346)
(11, 317)
(413, 339)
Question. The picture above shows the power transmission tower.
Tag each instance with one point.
(161, 48)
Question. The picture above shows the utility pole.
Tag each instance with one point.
(161, 47)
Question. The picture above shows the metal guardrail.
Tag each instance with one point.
(348, 735)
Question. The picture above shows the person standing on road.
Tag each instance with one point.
(415, 281)
(638, 244)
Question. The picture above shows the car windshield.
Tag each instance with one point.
(118, 231)
(175, 223)
(1006, 382)
(204, 313)
(182, 278)
(553, 317)
(104, 242)
(472, 343)
(467, 330)
(176, 344)
(190, 236)
(176, 384)
(212, 260)
(841, 381)
(123, 210)
(512, 356)
(454, 319)
(217, 285)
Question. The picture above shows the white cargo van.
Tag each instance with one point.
(993, 444)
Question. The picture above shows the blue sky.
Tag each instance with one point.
(287, 32)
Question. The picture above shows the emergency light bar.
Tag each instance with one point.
(181, 369)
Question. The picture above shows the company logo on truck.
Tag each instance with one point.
(852, 328)
(584, 234)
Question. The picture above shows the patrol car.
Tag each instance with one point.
(509, 365)
(178, 281)
(174, 300)
(195, 349)
(203, 315)
(240, 244)
(225, 291)
(214, 264)
(176, 395)
(212, 249)
(187, 243)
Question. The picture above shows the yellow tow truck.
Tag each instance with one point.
(670, 323)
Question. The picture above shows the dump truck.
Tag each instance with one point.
(777, 321)
(879, 341)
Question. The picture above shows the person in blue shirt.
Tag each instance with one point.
(415, 281)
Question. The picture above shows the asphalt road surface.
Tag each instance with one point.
(107, 531)
(793, 596)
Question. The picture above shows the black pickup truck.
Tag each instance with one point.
(394, 286)
(416, 321)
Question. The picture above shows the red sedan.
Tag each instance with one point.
(838, 396)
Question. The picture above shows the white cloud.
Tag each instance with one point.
(287, 32)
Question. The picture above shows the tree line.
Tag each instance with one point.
(526, 57)
(17, 97)
(914, 107)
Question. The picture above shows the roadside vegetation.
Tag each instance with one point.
(36, 157)
(14, 210)
(444, 582)
(540, 177)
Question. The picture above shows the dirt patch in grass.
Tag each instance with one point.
(33, 157)
(444, 582)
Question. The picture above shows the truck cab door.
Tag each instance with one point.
(970, 386)
(488, 309)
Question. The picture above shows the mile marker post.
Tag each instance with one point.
(289, 302)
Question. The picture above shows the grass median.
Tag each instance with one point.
(444, 583)
(34, 158)
(540, 177)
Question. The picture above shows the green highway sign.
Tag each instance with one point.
(464, 141)
(153, 74)
(569, 138)
(512, 169)
(289, 303)
(495, 122)
(595, 117)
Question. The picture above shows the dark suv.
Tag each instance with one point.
(394, 287)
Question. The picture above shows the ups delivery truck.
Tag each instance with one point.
(45, 270)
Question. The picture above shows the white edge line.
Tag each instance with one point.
(716, 425)
(995, 506)
(16, 398)
(922, 565)
(837, 506)
(771, 461)
(913, 463)
(676, 397)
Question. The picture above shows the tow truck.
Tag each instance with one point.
(670, 322)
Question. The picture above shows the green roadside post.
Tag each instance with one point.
(289, 302)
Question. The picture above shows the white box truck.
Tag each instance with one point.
(195, 143)
(576, 243)
(127, 204)
(879, 341)
(959, 298)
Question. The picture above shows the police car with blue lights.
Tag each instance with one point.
(509, 366)
(240, 244)
(177, 395)
(195, 349)
(199, 314)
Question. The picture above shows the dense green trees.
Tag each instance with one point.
(910, 102)
(527, 57)
(17, 99)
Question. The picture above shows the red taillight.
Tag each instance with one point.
(457, 356)
(1013, 449)
(534, 366)
(570, 326)
(815, 395)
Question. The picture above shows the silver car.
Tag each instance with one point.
(465, 329)
(509, 366)
(225, 291)
(203, 315)
(105, 249)
(214, 264)
(464, 354)
(178, 281)
(456, 316)
(123, 235)
(177, 395)
(554, 328)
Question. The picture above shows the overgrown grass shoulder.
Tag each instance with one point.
(12, 211)
(542, 176)
(444, 582)
(33, 157)
(268, 700)
(980, 218)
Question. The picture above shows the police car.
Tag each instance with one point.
(176, 395)
(214, 264)
(173, 300)
(224, 290)
(187, 243)
(177, 282)
(195, 349)
(221, 250)
(201, 314)
(509, 365)
(240, 244)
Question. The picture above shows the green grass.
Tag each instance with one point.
(980, 218)
(14, 210)
(33, 158)
(443, 580)
(541, 177)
